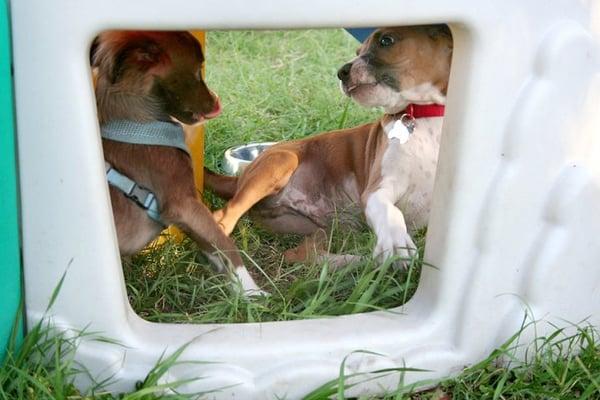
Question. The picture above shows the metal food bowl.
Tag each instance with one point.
(238, 157)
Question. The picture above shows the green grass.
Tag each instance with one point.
(44, 367)
(175, 287)
(561, 366)
(278, 86)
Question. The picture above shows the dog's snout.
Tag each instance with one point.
(215, 109)
(344, 72)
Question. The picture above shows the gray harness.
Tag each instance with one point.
(156, 133)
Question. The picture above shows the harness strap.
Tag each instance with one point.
(158, 133)
(141, 196)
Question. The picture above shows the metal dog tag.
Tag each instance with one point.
(399, 131)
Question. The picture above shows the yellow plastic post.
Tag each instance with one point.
(195, 136)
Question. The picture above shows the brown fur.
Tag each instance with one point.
(298, 186)
(146, 76)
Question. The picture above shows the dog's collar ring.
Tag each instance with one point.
(401, 129)
(409, 121)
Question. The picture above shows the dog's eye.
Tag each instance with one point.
(386, 41)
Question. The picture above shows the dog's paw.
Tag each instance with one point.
(219, 217)
(396, 243)
(249, 292)
(256, 293)
(246, 285)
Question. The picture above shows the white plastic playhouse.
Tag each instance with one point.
(515, 222)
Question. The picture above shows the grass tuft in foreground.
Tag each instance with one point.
(561, 366)
(43, 367)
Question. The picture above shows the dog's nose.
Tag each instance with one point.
(344, 72)
(216, 108)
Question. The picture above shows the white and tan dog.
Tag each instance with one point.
(386, 168)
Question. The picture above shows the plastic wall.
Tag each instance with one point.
(514, 223)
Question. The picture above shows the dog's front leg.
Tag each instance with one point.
(197, 222)
(388, 223)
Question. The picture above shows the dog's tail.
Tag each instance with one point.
(223, 186)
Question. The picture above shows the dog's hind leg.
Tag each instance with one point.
(266, 176)
(314, 248)
(196, 221)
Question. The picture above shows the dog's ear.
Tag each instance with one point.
(93, 49)
(364, 46)
(115, 52)
(142, 54)
(438, 31)
(146, 54)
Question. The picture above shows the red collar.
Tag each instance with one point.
(424, 110)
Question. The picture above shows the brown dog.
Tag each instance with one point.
(156, 76)
(298, 186)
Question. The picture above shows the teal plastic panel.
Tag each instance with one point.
(10, 263)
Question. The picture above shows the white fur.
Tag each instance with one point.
(425, 93)
(365, 90)
(403, 198)
(388, 223)
(248, 285)
(394, 101)
(242, 276)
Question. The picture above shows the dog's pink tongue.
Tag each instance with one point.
(216, 109)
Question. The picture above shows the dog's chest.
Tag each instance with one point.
(408, 170)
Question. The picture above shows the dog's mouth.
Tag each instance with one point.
(357, 87)
(195, 118)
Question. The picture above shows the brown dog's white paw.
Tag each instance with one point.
(246, 283)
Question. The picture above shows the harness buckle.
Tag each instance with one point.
(141, 196)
